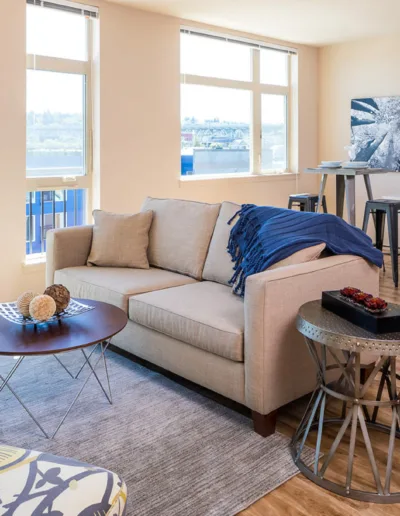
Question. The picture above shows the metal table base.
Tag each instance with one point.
(358, 413)
(101, 358)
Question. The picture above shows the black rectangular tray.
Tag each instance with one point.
(385, 322)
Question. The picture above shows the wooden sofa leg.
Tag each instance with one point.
(264, 424)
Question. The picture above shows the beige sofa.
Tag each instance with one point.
(184, 317)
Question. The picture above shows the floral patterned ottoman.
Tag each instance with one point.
(39, 483)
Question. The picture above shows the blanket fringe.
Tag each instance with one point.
(246, 229)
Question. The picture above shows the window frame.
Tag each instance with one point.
(70, 66)
(257, 89)
(28, 221)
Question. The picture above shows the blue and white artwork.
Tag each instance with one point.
(375, 131)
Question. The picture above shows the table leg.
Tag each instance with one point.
(4, 382)
(92, 372)
(339, 195)
(367, 182)
(63, 366)
(107, 395)
(368, 187)
(322, 186)
(393, 225)
(350, 187)
(356, 397)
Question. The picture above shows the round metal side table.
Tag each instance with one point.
(341, 345)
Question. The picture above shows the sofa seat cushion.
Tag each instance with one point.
(180, 234)
(66, 486)
(206, 315)
(116, 285)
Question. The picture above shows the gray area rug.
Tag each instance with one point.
(180, 454)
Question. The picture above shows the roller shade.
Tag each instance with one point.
(241, 41)
(65, 5)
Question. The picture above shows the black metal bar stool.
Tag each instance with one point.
(385, 208)
(306, 202)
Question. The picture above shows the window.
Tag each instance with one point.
(235, 97)
(30, 230)
(59, 44)
(221, 144)
(49, 210)
(273, 132)
(56, 133)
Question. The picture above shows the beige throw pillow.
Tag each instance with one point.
(120, 240)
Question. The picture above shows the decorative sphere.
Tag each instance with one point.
(42, 308)
(61, 296)
(23, 302)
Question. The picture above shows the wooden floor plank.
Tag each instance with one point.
(301, 497)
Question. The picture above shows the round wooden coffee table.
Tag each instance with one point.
(93, 328)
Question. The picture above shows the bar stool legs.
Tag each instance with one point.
(382, 209)
(306, 202)
(394, 243)
(380, 229)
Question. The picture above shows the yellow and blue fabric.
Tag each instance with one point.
(40, 483)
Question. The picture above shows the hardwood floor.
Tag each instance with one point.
(300, 496)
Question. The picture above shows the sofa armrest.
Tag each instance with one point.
(67, 247)
(278, 368)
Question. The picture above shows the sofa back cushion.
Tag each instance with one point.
(219, 266)
(180, 234)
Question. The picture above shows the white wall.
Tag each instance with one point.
(139, 140)
(364, 68)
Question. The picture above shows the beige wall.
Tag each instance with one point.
(360, 69)
(12, 147)
(140, 118)
(139, 140)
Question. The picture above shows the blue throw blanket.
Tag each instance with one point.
(265, 235)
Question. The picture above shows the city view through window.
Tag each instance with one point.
(218, 104)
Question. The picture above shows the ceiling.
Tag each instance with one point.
(313, 22)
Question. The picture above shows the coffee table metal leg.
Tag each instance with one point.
(107, 395)
(65, 367)
(84, 363)
(10, 374)
(92, 371)
(103, 347)
(82, 366)
(6, 384)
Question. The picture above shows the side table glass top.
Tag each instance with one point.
(321, 325)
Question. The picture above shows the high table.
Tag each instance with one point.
(345, 184)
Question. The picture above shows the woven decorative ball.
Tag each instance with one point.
(42, 308)
(61, 296)
(23, 302)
